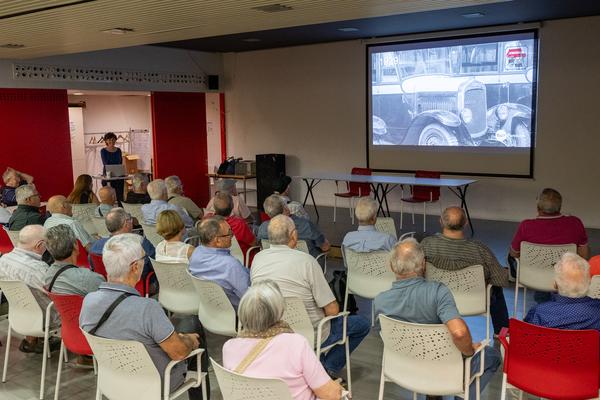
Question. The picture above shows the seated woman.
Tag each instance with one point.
(172, 250)
(139, 193)
(83, 192)
(287, 355)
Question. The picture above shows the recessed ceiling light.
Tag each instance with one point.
(348, 29)
(118, 31)
(271, 8)
(12, 46)
(77, 94)
(251, 40)
(474, 15)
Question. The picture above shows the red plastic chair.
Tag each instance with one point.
(355, 190)
(551, 363)
(422, 194)
(98, 264)
(82, 258)
(6, 245)
(142, 286)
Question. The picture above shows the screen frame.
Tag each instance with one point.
(457, 36)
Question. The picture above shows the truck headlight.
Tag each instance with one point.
(502, 112)
(466, 115)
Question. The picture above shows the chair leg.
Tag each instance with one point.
(424, 217)
(66, 355)
(372, 313)
(414, 395)
(99, 393)
(351, 211)
(401, 213)
(204, 396)
(516, 298)
(503, 390)
(334, 207)
(348, 368)
(524, 303)
(413, 213)
(8, 337)
(45, 357)
(95, 365)
(382, 381)
(59, 371)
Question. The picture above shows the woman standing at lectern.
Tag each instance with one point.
(111, 155)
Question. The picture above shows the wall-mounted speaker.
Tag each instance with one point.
(269, 168)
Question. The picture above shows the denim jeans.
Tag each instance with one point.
(357, 328)
(491, 361)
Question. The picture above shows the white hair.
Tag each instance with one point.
(173, 184)
(407, 257)
(572, 275)
(157, 190)
(29, 235)
(118, 254)
(366, 210)
(24, 192)
(261, 307)
(274, 205)
(280, 229)
(138, 180)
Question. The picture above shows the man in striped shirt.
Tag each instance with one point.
(450, 250)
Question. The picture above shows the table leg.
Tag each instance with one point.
(310, 186)
(378, 199)
(462, 195)
(245, 199)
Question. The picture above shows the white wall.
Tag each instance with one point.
(309, 103)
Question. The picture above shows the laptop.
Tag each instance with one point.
(115, 170)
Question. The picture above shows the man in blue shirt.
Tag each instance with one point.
(213, 261)
(158, 193)
(367, 238)
(570, 308)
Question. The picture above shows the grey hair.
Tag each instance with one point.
(280, 229)
(116, 219)
(118, 254)
(29, 235)
(61, 241)
(138, 180)
(24, 192)
(407, 257)
(274, 205)
(572, 275)
(453, 219)
(209, 229)
(261, 307)
(173, 183)
(366, 210)
(549, 201)
(157, 189)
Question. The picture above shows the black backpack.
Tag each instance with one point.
(338, 287)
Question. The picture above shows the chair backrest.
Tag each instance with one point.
(296, 316)
(386, 225)
(98, 264)
(82, 259)
(360, 189)
(368, 273)
(536, 264)
(467, 286)
(214, 309)
(69, 308)
(135, 210)
(100, 225)
(151, 235)
(239, 387)
(426, 193)
(594, 290)
(414, 353)
(301, 245)
(236, 250)
(6, 241)
(177, 292)
(553, 363)
(24, 313)
(125, 369)
(84, 214)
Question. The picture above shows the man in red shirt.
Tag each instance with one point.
(223, 204)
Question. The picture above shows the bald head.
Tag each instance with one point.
(31, 238)
(572, 276)
(453, 219)
(107, 195)
(59, 205)
(281, 230)
(407, 258)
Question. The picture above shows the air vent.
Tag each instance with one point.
(272, 8)
(12, 46)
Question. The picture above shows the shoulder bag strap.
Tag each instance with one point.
(255, 352)
(109, 311)
(57, 274)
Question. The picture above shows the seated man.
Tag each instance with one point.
(281, 186)
(139, 318)
(212, 260)
(62, 213)
(240, 209)
(571, 308)
(223, 204)
(176, 197)
(413, 299)
(450, 250)
(118, 222)
(28, 208)
(158, 193)
(25, 264)
(367, 238)
(139, 194)
(299, 275)
(63, 277)
(108, 199)
(307, 231)
(12, 180)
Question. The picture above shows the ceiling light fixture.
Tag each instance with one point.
(474, 15)
(12, 46)
(348, 29)
(118, 31)
(77, 94)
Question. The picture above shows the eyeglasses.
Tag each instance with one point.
(139, 259)
(229, 234)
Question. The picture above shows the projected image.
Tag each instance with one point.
(474, 95)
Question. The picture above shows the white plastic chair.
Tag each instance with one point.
(386, 225)
(235, 386)
(368, 275)
(25, 317)
(151, 235)
(13, 236)
(423, 359)
(302, 246)
(126, 371)
(100, 226)
(135, 210)
(214, 309)
(84, 214)
(535, 268)
(177, 293)
(471, 294)
(594, 290)
(236, 250)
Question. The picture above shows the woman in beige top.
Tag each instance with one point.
(170, 226)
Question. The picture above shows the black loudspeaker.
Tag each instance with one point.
(269, 168)
(213, 82)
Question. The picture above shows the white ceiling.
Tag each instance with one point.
(78, 27)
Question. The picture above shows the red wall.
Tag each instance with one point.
(35, 138)
(179, 128)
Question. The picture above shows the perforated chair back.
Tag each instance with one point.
(125, 369)
(13, 236)
(296, 316)
(100, 226)
(414, 353)
(386, 225)
(177, 293)
(594, 290)
(368, 273)
(135, 210)
(301, 245)
(467, 286)
(426, 193)
(151, 235)
(536, 264)
(552, 363)
(84, 214)
(24, 313)
(239, 387)
(214, 309)
(69, 308)
(236, 250)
